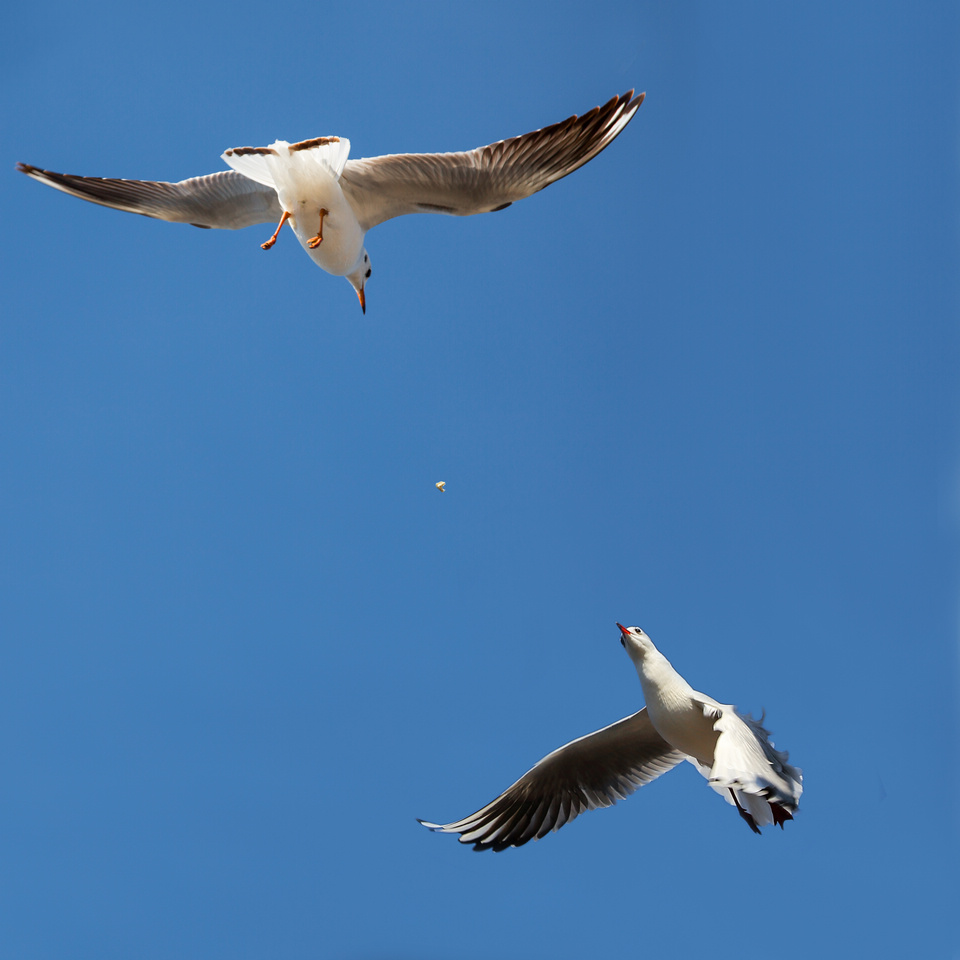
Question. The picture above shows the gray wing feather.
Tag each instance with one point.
(482, 180)
(227, 200)
(593, 771)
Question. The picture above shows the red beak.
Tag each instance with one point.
(623, 629)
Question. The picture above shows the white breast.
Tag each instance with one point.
(342, 236)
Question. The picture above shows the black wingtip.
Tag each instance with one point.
(751, 823)
(780, 814)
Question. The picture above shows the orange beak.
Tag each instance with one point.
(623, 629)
(363, 301)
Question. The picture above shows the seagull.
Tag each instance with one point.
(732, 750)
(331, 202)
(440, 486)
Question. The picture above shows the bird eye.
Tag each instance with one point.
(368, 274)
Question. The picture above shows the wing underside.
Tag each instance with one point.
(486, 179)
(593, 771)
(225, 200)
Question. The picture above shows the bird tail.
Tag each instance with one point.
(271, 165)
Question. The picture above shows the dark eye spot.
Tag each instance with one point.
(367, 274)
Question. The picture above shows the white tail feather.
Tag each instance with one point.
(272, 165)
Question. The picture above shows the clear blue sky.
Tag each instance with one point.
(708, 385)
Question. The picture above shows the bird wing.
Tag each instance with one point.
(590, 772)
(227, 200)
(748, 770)
(482, 180)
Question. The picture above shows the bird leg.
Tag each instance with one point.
(276, 233)
(315, 242)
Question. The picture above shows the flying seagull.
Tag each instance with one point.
(732, 750)
(331, 202)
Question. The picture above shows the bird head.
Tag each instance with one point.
(635, 642)
(360, 276)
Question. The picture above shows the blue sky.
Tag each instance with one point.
(707, 385)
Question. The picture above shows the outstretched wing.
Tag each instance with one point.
(227, 200)
(593, 771)
(482, 180)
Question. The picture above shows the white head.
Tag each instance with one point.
(636, 643)
(360, 276)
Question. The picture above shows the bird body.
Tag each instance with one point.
(306, 178)
(732, 751)
(332, 201)
(674, 706)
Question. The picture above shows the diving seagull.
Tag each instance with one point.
(732, 750)
(331, 202)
